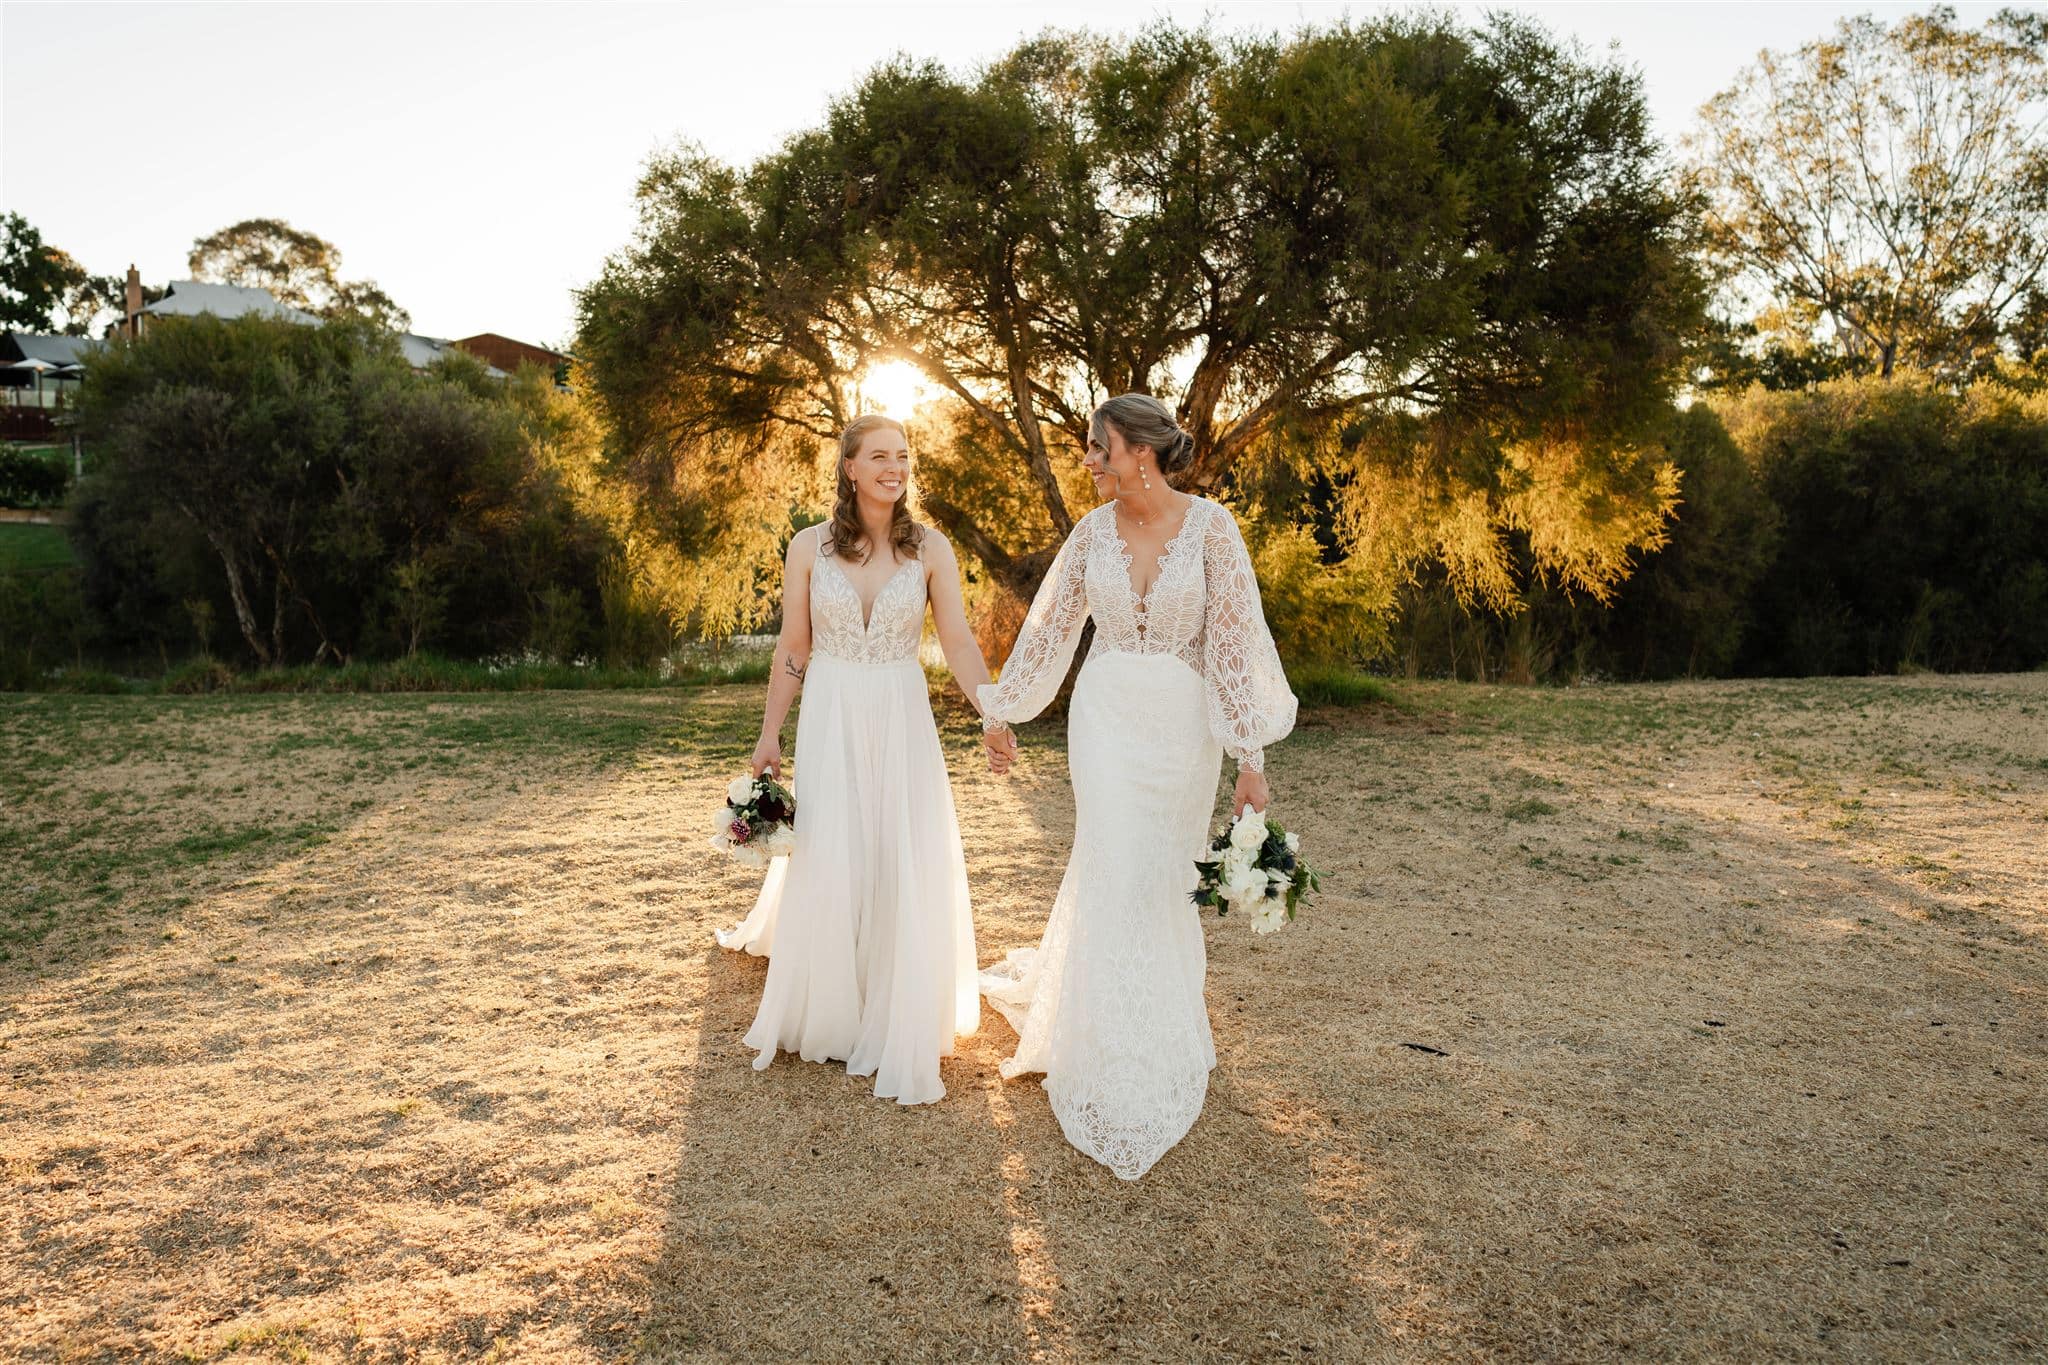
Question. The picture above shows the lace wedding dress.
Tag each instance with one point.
(866, 925)
(1109, 1005)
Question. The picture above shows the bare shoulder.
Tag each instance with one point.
(803, 546)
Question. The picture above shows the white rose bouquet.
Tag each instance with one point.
(1255, 867)
(757, 822)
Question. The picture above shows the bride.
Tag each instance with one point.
(866, 925)
(1109, 1005)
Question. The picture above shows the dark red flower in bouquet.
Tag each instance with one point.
(741, 831)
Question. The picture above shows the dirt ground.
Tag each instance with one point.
(1693, 1022)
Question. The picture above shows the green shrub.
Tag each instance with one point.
(1863, 525)
(93, 680)
(1915, 527)
(1336, 685)
(1686, 610)
(29, 479)
(42, 623)
(426, 672)
(198, 675)
(321, 501)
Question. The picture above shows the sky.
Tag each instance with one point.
(478, 160)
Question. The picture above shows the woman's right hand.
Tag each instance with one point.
(1000, 745)
(768, 754)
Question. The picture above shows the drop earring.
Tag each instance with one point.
(1142, 477)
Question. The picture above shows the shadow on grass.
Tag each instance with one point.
(1586, 1107)
(810, 1221)
(395, 1095)
(807, 1219)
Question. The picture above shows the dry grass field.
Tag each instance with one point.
(1688, 1022)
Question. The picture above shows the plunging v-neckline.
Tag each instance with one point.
(867, 609)
(1140, 604)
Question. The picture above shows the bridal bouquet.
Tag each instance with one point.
(758, 821)
(1255, 867)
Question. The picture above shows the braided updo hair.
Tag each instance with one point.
(1143, 420)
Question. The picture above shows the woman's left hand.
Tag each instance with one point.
(1251, 791)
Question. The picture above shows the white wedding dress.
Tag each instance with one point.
(866, 924)
(1109, 1005)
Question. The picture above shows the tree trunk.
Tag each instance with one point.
(1011, 335)
(277, 605)
(1198, 418)
(1021, 574)
(285, 578)
(244, 617)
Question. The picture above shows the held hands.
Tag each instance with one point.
(1000, 745)
(1251, 791)
(768, 756)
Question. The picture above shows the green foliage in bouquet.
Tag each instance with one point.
(1255, 865)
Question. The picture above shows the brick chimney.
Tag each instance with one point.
(134, 301)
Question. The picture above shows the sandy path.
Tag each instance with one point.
(1735, 992)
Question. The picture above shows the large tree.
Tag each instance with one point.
(1393, 263)
(334, 502)
(297, 267)
(34, 276)
(93, 304)
(38, 282)
(1883, 193)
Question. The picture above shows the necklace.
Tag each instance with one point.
(1142, 521)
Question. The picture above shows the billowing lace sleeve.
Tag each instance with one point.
(1250, 704)
(1044, 650)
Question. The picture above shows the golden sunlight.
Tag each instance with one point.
(895, 388)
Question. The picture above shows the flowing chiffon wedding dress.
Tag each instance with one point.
(1110, 1005)
(866, 925)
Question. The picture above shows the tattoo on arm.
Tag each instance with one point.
(789, 666)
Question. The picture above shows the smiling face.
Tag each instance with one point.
(1112, 461)
(880, 469)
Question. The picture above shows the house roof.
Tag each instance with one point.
(58, 350)
(509, 354)
(421, 352)
(187, 298)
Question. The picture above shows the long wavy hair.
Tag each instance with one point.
(845, 531)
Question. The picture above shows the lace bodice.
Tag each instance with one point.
(893, 628)
(1203, 609)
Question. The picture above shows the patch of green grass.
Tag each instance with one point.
(1337, 685)
(1529, 808)
(422, 673)
(430, 673)
(90, 680)
(27, 545)
(222, 841)
(77, 869)
(108, 801)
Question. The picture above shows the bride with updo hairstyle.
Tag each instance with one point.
(866, 925)
(1183, 670)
